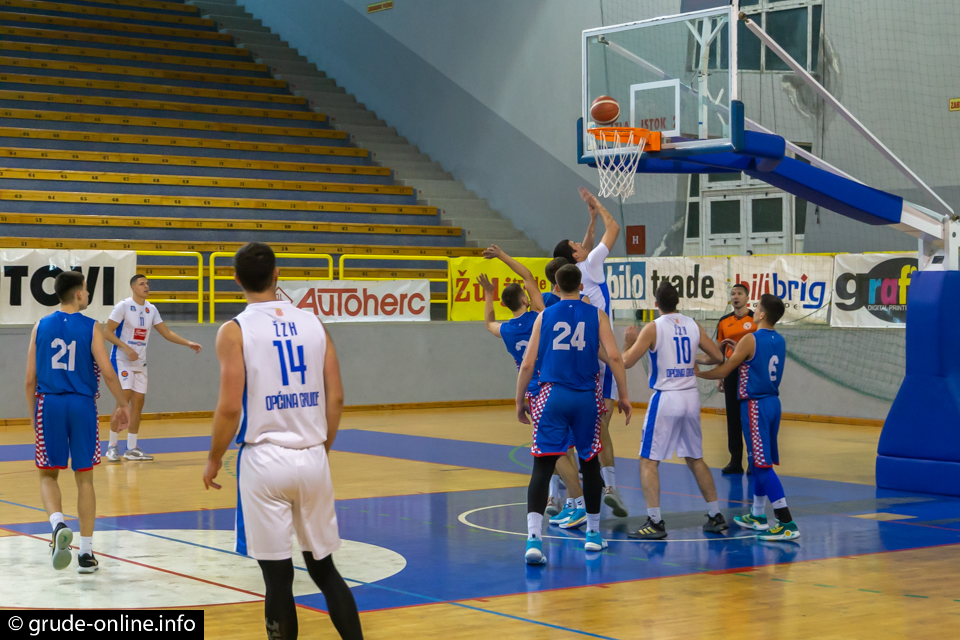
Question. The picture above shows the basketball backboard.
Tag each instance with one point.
(671, 74)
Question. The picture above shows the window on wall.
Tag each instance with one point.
(693, 208)
(794, 24)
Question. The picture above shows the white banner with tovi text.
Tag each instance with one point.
(360, 300)
(701, 282)
(26, 288)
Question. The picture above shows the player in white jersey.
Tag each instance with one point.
(128, 330)
(672, 423)
(589, 260)
(281, 396)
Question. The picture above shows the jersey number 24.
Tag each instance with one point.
(577, 341)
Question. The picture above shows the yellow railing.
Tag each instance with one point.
(225, 254)
(182, 276)
(448, 300)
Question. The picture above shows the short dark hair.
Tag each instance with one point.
(568, 278)
(667, 297)
(134, 279)
(564, 250)
(254, 264)
(512, 296)
(552, 267)
(66, 285)
(746, 289)
(772, 307)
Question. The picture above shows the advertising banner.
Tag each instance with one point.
(870, 290)
(26, 286)
(359, 300)
(804, 283)
(468, 294)
(701, 282)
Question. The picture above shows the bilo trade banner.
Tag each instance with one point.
(701, 282)
(359, 300)
(804, 283)
(26, 286)
(870, 290)
(468, 294)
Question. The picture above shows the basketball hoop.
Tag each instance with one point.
(618, 155)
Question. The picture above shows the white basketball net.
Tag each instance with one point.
(618, 155)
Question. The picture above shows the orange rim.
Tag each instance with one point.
(623, 135)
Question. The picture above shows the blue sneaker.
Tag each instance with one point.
(564, 515)
(594, 542)
(534, 554)
(576, 519)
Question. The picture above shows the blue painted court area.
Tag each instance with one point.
(469, 544)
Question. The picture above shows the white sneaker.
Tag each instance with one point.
(112, 454)
(611, 498)
(136, 454)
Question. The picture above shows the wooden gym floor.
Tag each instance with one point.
(431, 508)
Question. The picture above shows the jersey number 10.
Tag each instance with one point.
(69, 350)
(294, 367)
(684, 350)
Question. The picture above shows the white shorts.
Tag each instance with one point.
(284, 491)
(672, 424)
(132, 380)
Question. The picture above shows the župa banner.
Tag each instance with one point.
(26, 286)
(360, 300)
(870, 290)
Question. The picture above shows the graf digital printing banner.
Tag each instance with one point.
(468, 294)
(870, 290)
(26, 286)
(701, 282)
(804, 283)
(360, 301)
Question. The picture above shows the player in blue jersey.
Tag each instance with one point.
(515, 334)
(62, 385)
(566, 341)
(552, 297)
(760, 357)
(589, 261)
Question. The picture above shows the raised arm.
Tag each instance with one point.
(610, 227)
(332, 390)
(588, 238)
(713, 352)
(638, 343)
(529, 282)
(165, 331)
(30, 382)
(489, 315)
(121, 415)
(111, 336)
(226, 418)
(527, 368)
(609, 344)
(744, 351)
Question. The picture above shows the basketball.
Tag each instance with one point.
(605, 110)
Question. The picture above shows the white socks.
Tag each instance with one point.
(580, 503)
(534, 526)
(131, 441)
(609, 476)
(86, 545)
(56, 519)
(759, 506)
(654, 514)
(569, 504)
(780, 504)
(593, 522)
(712, 508)
(555, 486)
(114, 438)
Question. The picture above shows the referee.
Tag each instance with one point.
(730, 329)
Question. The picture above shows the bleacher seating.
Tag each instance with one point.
(137, 124)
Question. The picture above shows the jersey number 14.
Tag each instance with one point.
(294, 367)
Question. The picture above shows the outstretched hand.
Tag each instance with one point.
(592, 203)
(488, 287)
(493, 251)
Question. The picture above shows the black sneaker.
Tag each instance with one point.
(715, 524)
(650, 531)
(88, 563)
(732, 469)
(60, 547)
